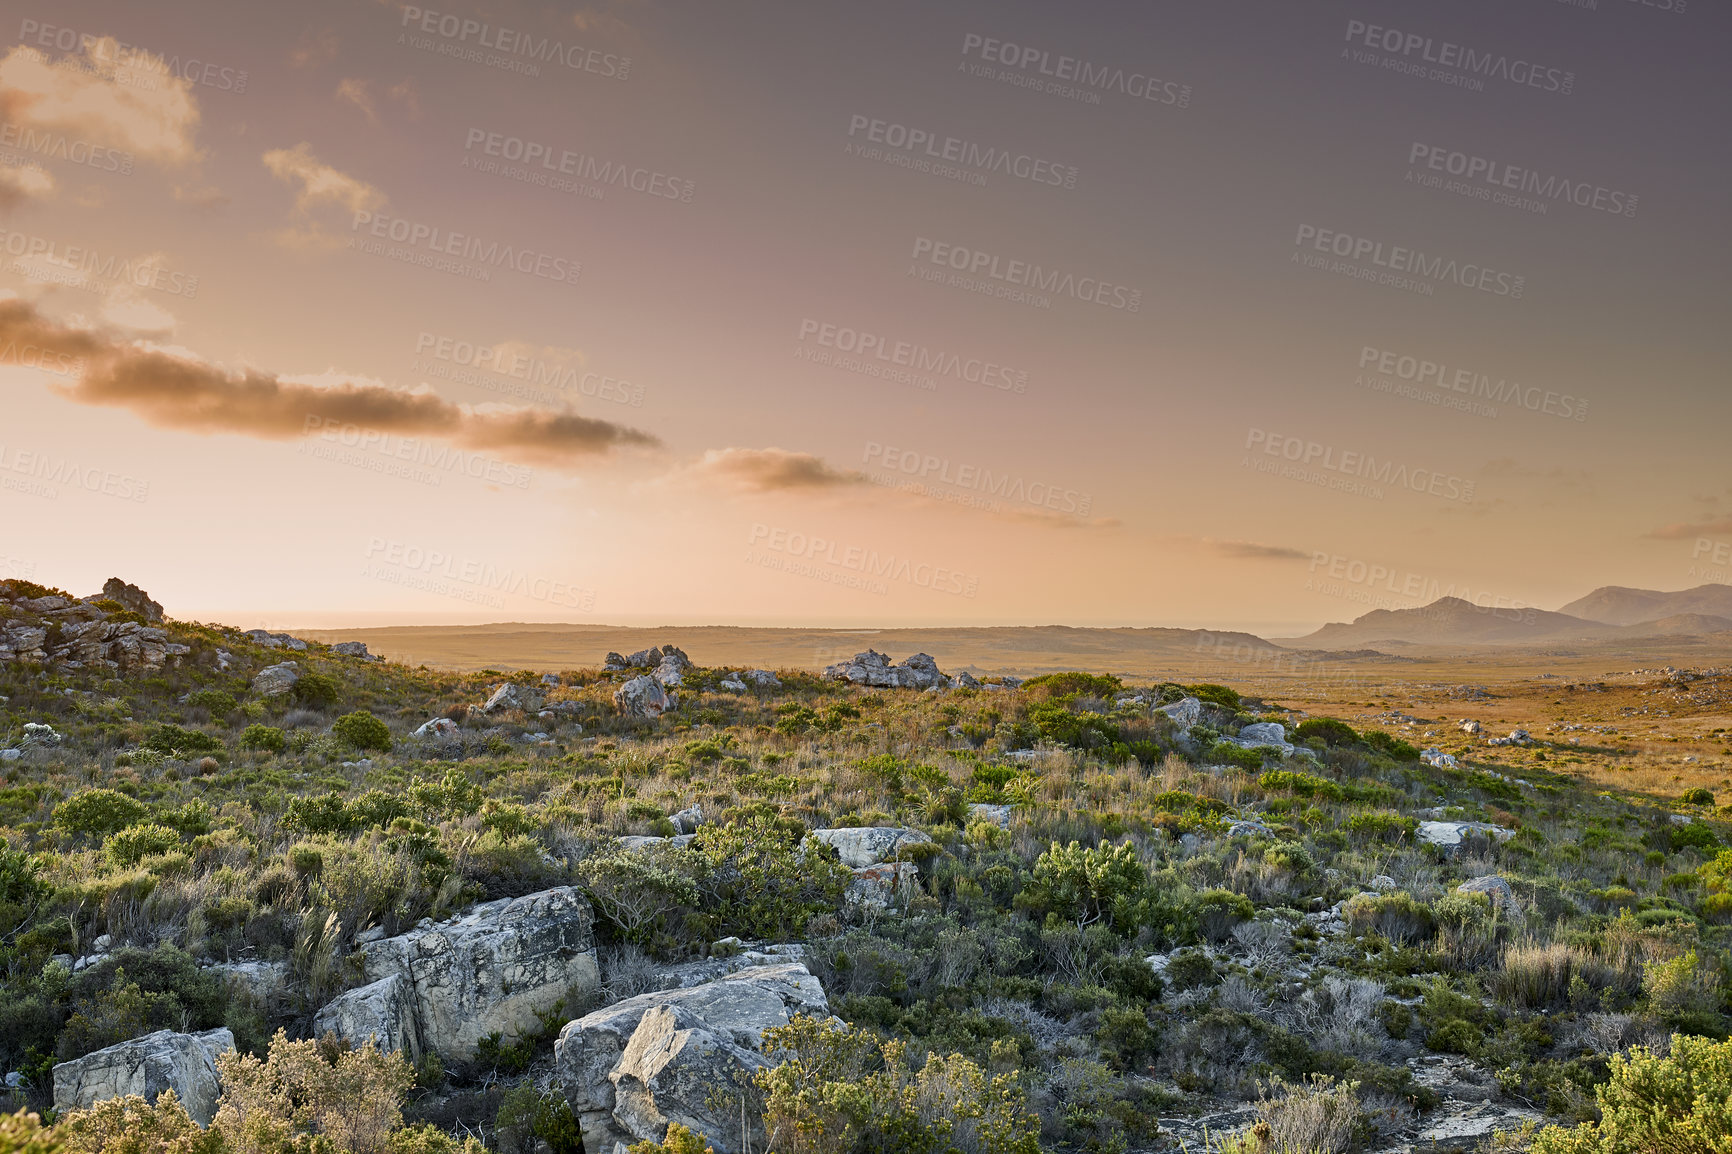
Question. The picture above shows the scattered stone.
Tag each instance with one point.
(271, 640)
(672, 668)
(551, 680)
(999, 815)
(732, 684)
(513, 696)
(11, 754)
(1248, 828)
(1383, 883)
(863, 845)
(1185, 712)
(622, 1086)
(1449, 834)
(1516, 737)
(1436, 757)
(688, 820)
(762, 678)
(613, 663)
(1264, 735)
(874, 670)
(1472, 728)
(644, 841)
(276, 680)
(146, 1066)
(1496, 889)
(643, 697)
(438, 727)
(354, 649)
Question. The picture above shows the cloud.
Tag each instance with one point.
(1683, 531)
(1255, 551)
(358, 92)
(202, 197)
(173, 389)
(321, 186)
(775, 470)
(94, 96)
(314, 49)
(21, 184)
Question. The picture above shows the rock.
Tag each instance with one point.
(1252, 828)
(1449, 834)
(513, 696)
(11, 754)
(733, 1010)
(493, 970)
(262, 980)
(644, 659)
(613, 663)
(1383, 883)
(103, 943)
(1436, 757)
(1185, 712)
(1472, 728)
(1462, 1127)
(732, 684)
(276, 680)
(644, 841)
(863, 845)
(643, 697)
(670, 671)
(874, 670)
(676, 1070)
(133, 598)
(438, 727)
(225, 661)
(964, 680)
(988, 811)
(1516, 737)
(762, 678)
(271, 640)
(1494, 888)
(354, 649)
(146, 1066)
(1264, 735)
(879, 887)
(383, 1011)
(688, 820)
(550, 680)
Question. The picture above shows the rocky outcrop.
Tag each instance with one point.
(1496, 890)
(687, 820)
(1434, 756)
(73, 634)
(671, 669)
(146, 1066)
(354, 649)
(132, 598)
(492, 969)
(276, 680)
(1264, 735)
(864, 845)
(438, 727)
(995, 813)
(1516, 737)
(874, 670)
(624, 1079)
(643, 697)
(271, 640)
(1185, 712)
(879, 887)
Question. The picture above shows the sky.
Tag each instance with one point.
(1250, 314)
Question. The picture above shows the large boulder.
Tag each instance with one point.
(513, 696)
(879, 887)
(860, 846)
(146, 1066)
(354, 649)
(1496, 890)
(1185, 712)
(493, 969)
(733, 1010)
(674, 1069)
(671, 670)
(276, 680)
(383, 1012)
(642, 697)
(1448, 835)
(1264, 735)
(874, 670)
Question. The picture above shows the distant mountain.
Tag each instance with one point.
(1452, 621)
(1616, 605)
(1679, 624)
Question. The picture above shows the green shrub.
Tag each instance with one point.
(267, 738)
(361, 730)
(219, 703)
(129, 846)
(316, 691)
(1698, 796)
(1331, 731)
(1218, 911)
(1382, 825)
(1396, 916)
(1085, 886)
(1390, 745)
(1692, 835)
(173, 741)
(1679, 1104)
(1300, 784)
(98, 811)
